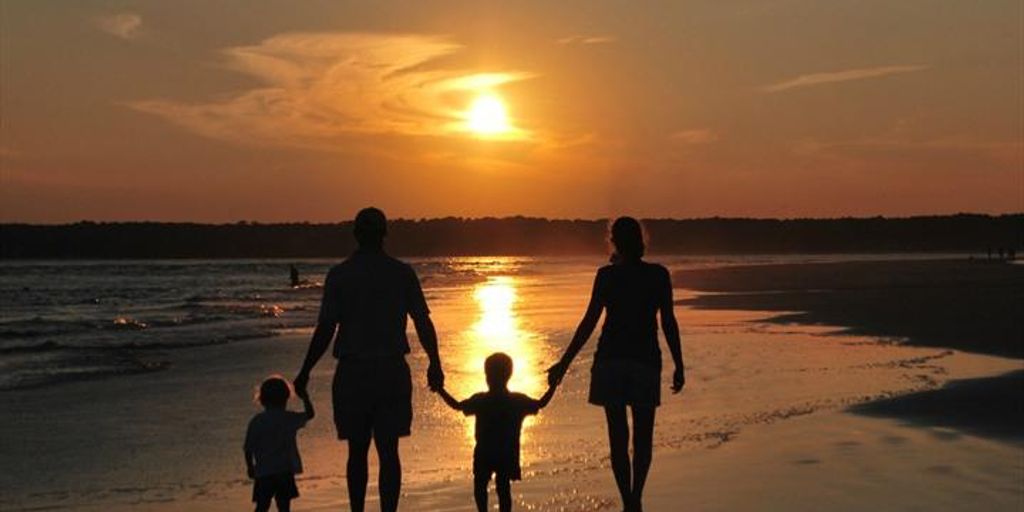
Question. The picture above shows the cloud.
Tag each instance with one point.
(695, 137)
(577, 39)
(318, 88)
(841, 76)
(124, 25)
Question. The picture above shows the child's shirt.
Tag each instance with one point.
(271, 439)
(499, 420)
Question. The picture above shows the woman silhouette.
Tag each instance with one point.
(627, 363)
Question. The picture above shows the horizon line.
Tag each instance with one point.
(508, 217)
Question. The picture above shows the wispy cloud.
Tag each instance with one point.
(695, 136)
(124, 25)
(578, 39)
(320, 87)
(841, 76)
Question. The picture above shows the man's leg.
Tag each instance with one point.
(618, 442)
(263, 505)
(283, 504)
(643, 441)
(480, 482)
(389, 480)
(356, 472)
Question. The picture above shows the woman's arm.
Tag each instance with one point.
(671, 329)
(583, 332)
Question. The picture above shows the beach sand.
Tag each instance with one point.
(774, 416)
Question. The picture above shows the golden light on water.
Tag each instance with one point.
(498, 328)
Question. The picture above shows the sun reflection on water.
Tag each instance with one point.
(499, 329)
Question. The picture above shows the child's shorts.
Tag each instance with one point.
(281, 486)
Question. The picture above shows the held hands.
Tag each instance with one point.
(556, 372)
(300, 383)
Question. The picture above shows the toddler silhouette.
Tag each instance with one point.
(499, 419)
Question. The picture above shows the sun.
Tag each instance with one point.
(487, 115)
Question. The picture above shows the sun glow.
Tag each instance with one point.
(498, 328)
(487, 116)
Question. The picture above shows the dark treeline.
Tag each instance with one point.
(512, 236)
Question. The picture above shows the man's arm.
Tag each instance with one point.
(428, 340)
(307, 404)
(671, 329)
(425, 331)
(322, 336)
(326, 325)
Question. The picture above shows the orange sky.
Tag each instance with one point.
(285, 111)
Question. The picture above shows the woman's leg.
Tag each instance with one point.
(504, 489)
(480, 491)
(356, 472)
(643, 441)
(618, 442)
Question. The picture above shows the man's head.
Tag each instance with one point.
(370, 228)
(498, 368)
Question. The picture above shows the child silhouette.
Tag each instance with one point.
(499, 419)
(271, 454)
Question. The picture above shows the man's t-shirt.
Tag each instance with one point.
(271, 438)
(499, 420)
(631, 294)
(370, 296)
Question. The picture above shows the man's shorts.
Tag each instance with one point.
(372, 397)
(281, 486)
(624, 382)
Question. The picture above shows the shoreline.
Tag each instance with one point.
(966, 305)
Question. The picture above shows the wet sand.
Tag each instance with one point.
(973, 306)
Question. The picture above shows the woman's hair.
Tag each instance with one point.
(627, 237)
(274, 392)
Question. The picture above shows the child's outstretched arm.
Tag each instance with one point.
(544, 400)
(449, 399)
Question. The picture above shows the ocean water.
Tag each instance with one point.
(73, 320)
(128, 385)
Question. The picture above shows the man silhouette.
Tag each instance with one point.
(367, 299)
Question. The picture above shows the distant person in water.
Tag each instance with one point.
(499, 420)
(294, 273)
(627, 364)
(271, 453)
(366, 303)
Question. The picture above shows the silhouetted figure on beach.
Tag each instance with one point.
(271, 453)
(294, 274)
(499, 420)
(367, 300)
(627, 363)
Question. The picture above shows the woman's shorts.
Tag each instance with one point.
(624, 382)
(372, 397)
(281, 486)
